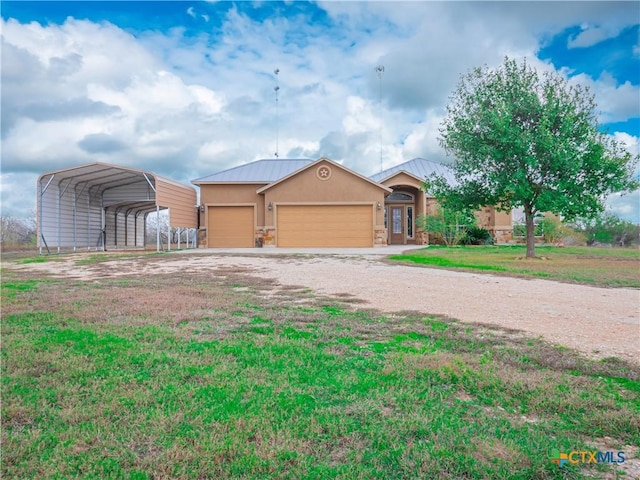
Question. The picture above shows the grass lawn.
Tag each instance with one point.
(613, 267)
(216, 376)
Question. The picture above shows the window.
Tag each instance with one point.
(399, 197)
(396, 214)
(409, 222)
(386, 214)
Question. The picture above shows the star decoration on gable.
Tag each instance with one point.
(323, 173)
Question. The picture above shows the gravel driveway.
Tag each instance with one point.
(600, 322)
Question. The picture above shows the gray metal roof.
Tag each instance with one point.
(260, 171)
(418, 167)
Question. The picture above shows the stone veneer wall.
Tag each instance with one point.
(380, 236)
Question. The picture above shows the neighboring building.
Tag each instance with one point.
(306, 203)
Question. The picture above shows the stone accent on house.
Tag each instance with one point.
(502, 235)
(202, 237)
(422, 238)
(380, 236)
(265, 237)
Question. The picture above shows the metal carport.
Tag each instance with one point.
(101, 206)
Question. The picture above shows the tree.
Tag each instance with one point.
(524, 140)
(17, 231)
(609, 229)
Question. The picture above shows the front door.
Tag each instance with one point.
(396, 215)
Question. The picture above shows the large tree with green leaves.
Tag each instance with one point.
(530, 141)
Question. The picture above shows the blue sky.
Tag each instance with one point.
(187, 88)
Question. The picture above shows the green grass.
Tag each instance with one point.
(110, 383)
(589, 265)
(26, 261)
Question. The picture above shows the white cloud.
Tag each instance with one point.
(592, 35)
(615, 102)
(186, 107)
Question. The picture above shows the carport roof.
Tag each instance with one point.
(100, 177)
(105, 176)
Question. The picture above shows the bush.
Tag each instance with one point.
(520, 230)
(555, 232)
(447, 226)
(477, 236)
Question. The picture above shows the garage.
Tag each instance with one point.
(231, 226)
(324, 225)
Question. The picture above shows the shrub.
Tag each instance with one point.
(611, 230)
(447, 226)
(477, 236)
(556, 232)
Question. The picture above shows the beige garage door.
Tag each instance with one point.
(325, 226)
(231, 227)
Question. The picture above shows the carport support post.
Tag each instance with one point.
(39, 226)
(168, 230)
(103, 227)
(157, 228)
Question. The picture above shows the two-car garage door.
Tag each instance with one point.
(324, 225)
(297, 226)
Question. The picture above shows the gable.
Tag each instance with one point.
(403, 178)
(324, 181)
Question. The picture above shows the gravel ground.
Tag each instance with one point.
(599, 322)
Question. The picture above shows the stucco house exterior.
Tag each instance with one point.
(318, 203)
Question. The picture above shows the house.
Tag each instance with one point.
(409, 200)
(307, 203)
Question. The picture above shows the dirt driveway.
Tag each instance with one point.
(600, 322)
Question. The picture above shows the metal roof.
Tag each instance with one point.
(103, 176)
(260, 171)
(418, 167)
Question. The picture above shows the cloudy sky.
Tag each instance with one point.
(186, 89)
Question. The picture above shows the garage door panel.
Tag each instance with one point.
(231, 227)
(325, 226)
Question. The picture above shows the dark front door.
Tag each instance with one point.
(396, 225)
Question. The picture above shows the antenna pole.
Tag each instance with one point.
(276, 88)
(380, 71)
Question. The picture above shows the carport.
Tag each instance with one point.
(99, 206)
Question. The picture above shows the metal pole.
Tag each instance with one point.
(168, 231)
(276, 88)
(59, 217)
(380, 71)
(158, 228)
(75, 221)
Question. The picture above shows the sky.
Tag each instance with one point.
(185, 89)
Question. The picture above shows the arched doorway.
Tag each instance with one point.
(399, 215)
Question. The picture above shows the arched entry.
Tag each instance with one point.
(399, 215)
